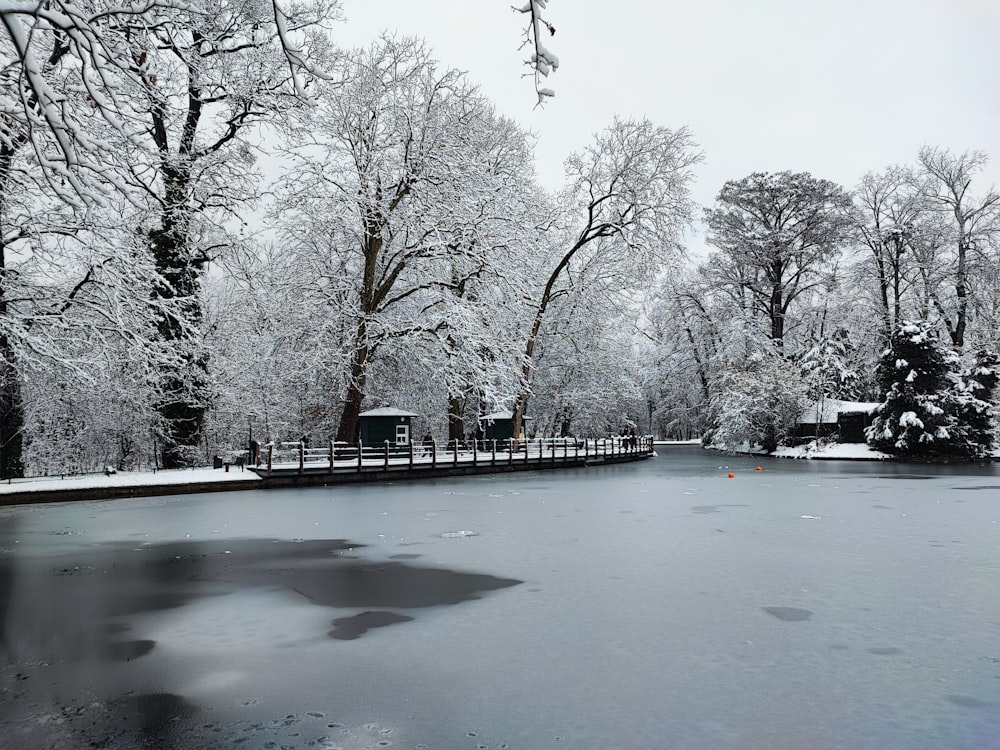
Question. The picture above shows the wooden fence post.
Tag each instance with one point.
(270, 454)
(385, 463)
(360, 451)
(302, 456)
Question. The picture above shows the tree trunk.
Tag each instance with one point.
(456, 423)
(182, 403)
(347, 430)
(11, 407)
(777, 318)
(11, 415)
(961, 290)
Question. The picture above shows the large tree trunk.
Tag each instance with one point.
(11, 407)
(456, 422)
(777, 305)
(347, 430)
(11, 415)
(183, 388)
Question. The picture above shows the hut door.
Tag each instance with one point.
(402, 434)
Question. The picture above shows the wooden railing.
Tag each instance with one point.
(336, 457)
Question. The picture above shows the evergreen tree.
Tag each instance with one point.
(930, 409)
(828, 370)
(977, 413)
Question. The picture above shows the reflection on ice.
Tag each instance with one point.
(789, 614)
(352, 628)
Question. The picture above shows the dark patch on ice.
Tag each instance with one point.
(883, 507)
(404, 556)
(390, 585)
(352, 628)
(705, 509)
(980, 487)
(967, 701)
(81, 618)
(154, 716)
(885, 651)
(788, 614)
(903, 476)
(128, 650)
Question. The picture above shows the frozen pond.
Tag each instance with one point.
(659, 604)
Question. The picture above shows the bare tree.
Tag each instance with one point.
(147, 100)
(201, 80)
(627, 201)
(775, 232)
(974, 221)
(55, 49)
(892, 221)
(402, 186)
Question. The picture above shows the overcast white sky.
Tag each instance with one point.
(833, 88)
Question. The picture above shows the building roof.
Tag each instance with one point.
(825, 411)
(387, 411)
(497, 415)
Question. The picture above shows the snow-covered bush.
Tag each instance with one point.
(757, 405)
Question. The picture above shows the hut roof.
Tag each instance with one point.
(387, 411)
(826, 410)
(497, 415)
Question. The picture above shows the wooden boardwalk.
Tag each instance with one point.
(295, 464)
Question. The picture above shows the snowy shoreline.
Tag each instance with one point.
(834, 452)
(204, 479)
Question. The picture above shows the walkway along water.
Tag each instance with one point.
(293, 464)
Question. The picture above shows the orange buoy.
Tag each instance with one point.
(759, 469)
(731, 475)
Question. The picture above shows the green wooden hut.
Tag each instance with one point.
(386, 423)
(497, 426)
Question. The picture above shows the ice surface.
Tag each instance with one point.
(825, 604)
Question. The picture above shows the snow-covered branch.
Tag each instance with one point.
(541, 61)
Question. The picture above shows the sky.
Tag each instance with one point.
(836, 89)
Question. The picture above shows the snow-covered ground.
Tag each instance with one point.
(851, 451)
(128, 479)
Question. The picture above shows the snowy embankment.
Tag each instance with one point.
(844, 451)
(128, 479)
(814, 449)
